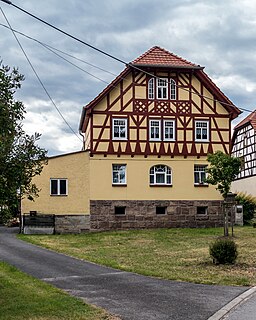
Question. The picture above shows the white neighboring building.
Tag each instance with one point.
(243, 147)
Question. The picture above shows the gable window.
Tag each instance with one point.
(169, 127)
(151, 88)
(172, 89)
(200, 175)
(162, 88)
(155, 129)
(119, 130)
(202, 131)
(160, 175)
(119, 174)
(58, 187)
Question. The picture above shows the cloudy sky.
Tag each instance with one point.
(219, 35)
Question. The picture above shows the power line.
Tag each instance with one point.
(58, 50)
(113, 57)
(38, 78)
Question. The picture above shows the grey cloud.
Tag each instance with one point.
(219, 35)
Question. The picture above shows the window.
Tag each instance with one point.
(151, 89)
(119, 210)
(202, 210)
(200, 174)
(155, 129)
(58, 187)
(162, 88)
(161, 210)
(160, 175)
(172, 89)
(119, 174)
(169, 126)
(201, 131)
(119, 129)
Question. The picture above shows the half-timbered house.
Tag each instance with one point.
(149, 133)
(243, 147)
(146, 139)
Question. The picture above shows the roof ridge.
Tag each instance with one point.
(170, 58)
(251, 118)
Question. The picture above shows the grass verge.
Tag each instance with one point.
(23, 297)
(176, 254)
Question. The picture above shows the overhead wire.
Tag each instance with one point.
(61, 51)
(38, 78)
(114, 57)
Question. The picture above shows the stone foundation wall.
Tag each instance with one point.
(142, 214)
(72, 223)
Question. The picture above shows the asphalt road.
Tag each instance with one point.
(246, 310)
(128, 295)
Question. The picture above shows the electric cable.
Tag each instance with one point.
(115, 58)
(38, 78)
(61, 51)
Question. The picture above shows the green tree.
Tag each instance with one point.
(222, 171)
(20, 156)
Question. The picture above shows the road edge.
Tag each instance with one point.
(232, 304)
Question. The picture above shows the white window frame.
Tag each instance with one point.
(198, 127)
(152, 129)
(151, 88)
(173, 89)
(58, 186)
(119, 126)
(118, 169)
(161, 88)
(200, 170)
(158, 170)
(167, 127)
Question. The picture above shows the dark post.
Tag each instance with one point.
(228, 206)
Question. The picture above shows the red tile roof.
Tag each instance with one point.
(157, 56)
(251, 118)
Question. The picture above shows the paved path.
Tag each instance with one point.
(130, 296)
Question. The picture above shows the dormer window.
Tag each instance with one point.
(162, 88)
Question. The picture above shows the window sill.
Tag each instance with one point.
(119, 185)
(202, 141)
(58, 195)
(161, 185)
(201, 185)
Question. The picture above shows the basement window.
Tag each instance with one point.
(119, 210)
(202, 210)
(161, 210)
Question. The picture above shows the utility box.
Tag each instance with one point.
(239, 215)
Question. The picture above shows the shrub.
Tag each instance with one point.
(249, 205)
(223, 250)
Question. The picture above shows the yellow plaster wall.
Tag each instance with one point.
(138, 187)
(75, 168)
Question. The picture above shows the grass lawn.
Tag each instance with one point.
(176, 254)
(23, 297)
